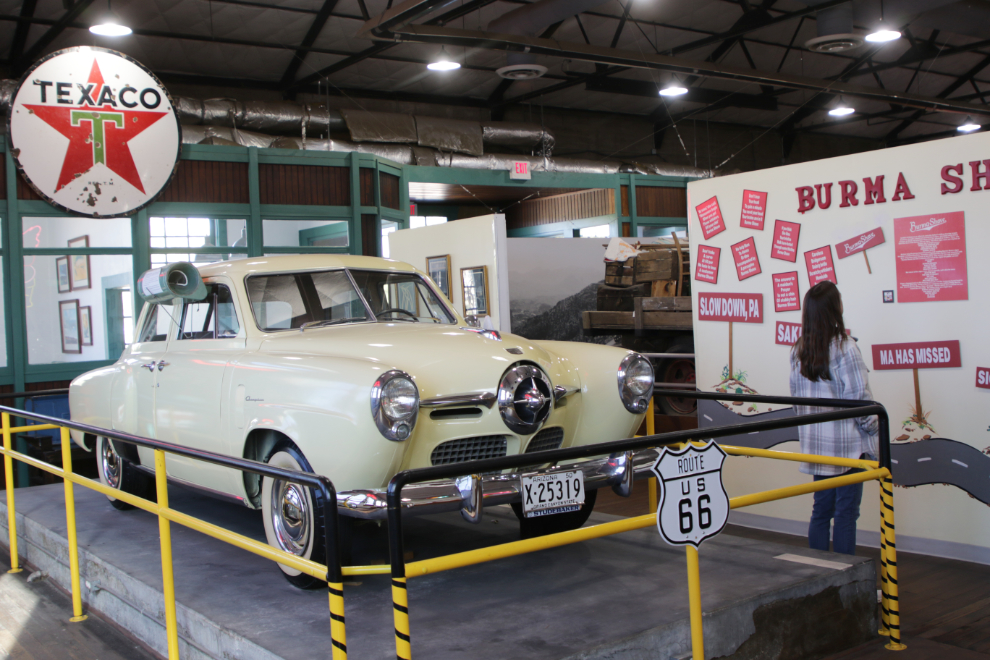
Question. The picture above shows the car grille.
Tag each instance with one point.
(469, 449)
(546, 439)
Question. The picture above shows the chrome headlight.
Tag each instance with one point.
(635, 382)
(395, 404)
(525, 398)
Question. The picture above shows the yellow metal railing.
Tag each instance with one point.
(166, 516)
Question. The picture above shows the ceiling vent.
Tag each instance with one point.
(522, 71)
(835, 43)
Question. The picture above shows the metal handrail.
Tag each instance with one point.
(334, 573)
(30, 395)
(848, 409)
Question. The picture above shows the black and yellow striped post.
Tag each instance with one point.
(884, 611)
(338, 633)
(889, 556)
(400, 609)
(397, 559)
(335, 574)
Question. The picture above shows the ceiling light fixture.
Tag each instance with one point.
(841, 109)
(673, 88)
(883, 33)
(968, 126)
(109, 25)
(443, 62)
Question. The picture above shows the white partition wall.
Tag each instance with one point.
(903, 232)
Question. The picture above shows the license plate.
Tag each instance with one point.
(546, 494)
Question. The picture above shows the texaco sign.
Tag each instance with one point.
(94, 132)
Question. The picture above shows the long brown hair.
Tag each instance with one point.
(821, 322)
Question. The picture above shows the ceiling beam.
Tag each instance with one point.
(21, 32)
(499, 93)
(314, 31)
(45, 40)
(695, 94)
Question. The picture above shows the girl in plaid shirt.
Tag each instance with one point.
(827, 364)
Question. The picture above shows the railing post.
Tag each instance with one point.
(165, 534)
(694, 603)
(8, 469)
(335, 577)
(889, 555)
(70, 523)
(651, 429)
(400, 594)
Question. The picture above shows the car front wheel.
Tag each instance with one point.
(293, 514)
(120, 474)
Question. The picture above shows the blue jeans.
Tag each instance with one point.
(842, 504)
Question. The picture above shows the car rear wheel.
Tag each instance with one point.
(293, 514)
(680, 371)
(561, 522)
(120, 474)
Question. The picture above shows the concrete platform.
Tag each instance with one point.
(623, 597)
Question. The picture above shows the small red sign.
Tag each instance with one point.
(983, 377)
(707, 268)
(785, 240)
(754, 209)
(787, 333)
(820, 266)
(739, 307)
(747, 263)
(786, 297)
(917, 355)
(931, 257)
(859, 243)
(710, 218)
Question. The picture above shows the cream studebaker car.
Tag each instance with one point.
(354, 368)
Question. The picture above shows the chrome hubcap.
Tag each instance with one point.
(290, 516)
(110, 464)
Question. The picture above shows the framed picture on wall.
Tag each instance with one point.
(62, 268)
(474, 291)
(79, 264)
(86, 325)
(439, 270)
(68, 317)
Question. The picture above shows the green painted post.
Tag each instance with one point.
(355, 243)
(141, 255)
(15, 305)
(618, 204)
(404, 198)
(378, 207)
(633, 219)
(254, 221)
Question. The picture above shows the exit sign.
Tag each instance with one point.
(520, 170)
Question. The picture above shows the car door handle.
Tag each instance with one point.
(150, 366)
(162, 365)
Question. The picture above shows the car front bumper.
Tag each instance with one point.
(473, 492)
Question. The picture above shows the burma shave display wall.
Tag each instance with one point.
(898, 231)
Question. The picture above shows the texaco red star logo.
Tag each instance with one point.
(97, 134)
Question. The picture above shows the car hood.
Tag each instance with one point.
(442, 359)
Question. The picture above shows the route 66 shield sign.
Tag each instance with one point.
(693, 503)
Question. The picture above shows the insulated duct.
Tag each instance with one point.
(407, 154)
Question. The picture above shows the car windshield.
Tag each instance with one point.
(300, 300)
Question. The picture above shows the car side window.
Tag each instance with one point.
(155, 324)
(214, 317)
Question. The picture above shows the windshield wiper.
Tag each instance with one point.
(325, 322)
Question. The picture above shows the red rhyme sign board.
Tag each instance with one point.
(917, 355)
(747, 263)
(931, 257)
(738, 307)
(710, 218)
(983, 377)
(820, 266)
(859, 243)
(787, 333)
(754, 209)
(785, 240)
(707, 268)
(94, 132)
(786, 297)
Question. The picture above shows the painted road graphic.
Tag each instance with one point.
(934, 461)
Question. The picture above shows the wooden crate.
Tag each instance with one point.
(620, 298)
(619, 273)
(656, 265)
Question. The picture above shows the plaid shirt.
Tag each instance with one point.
(845, 438)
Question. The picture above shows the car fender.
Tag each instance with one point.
(321, 403)
(595, 369)
(90, 397)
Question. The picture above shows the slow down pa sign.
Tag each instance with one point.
(693, 503)
(94, 132)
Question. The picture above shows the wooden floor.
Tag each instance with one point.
(34, 624)
(945, 604)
